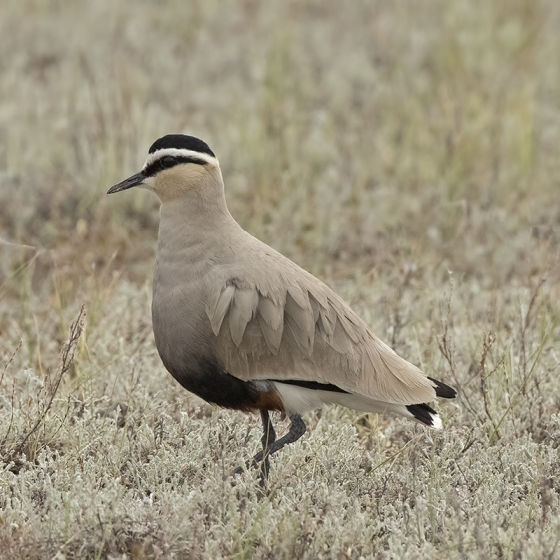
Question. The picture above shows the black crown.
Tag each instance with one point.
(181, 142)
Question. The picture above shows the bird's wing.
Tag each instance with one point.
(277, 321)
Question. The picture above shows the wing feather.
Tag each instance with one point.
(315, 307)
(299, 318)
(341, 342)
(328, 321)
(243, 309)
(344, 321)
(218, 310)
(271, 320)
(299, 296)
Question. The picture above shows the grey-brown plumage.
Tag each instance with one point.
(244, 327)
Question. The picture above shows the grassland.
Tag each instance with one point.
(406, 153)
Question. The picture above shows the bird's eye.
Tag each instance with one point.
(168, 161)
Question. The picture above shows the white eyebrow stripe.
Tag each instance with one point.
(176, 152)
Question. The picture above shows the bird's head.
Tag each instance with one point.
(176, 165)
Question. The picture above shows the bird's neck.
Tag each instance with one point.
(190, 225)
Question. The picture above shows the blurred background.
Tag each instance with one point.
(346, 134)
(406, 153)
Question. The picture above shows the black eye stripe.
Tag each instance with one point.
(166, 162)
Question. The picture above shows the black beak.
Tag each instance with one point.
(133, 181)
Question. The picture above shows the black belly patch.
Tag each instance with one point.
(212, 383)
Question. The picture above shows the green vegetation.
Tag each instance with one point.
(406, 153)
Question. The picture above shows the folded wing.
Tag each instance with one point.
(292, 326)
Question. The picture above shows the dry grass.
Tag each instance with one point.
(408, 154)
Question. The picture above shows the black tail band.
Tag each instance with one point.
(442, 390)
(423, 412)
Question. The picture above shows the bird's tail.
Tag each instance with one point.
(442, 390)
(424, 414)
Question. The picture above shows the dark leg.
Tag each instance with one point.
(297, 429)
(269, 437)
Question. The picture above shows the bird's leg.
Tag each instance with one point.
(269, 437)
(297, 429)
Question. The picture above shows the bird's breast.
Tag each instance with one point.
(181, 330)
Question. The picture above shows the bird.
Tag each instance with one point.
(243, 327)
